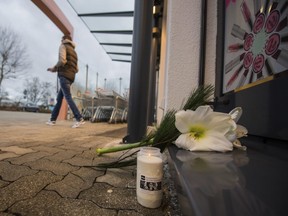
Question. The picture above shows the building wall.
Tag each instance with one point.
(210, 66)
(180, 49)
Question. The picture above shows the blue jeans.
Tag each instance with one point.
(65, 85)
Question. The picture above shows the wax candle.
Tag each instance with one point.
(149, 177)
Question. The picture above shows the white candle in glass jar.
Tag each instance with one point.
(149, 177)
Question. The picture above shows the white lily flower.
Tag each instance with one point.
(204, 130)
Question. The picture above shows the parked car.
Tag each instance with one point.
(30, 107)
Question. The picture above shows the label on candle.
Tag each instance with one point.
(150, 184)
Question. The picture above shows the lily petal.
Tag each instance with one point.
(184, 141)
(203, 111)
(241, 131)
(231, 136)
(184, 118)
(237, 144)
(236, 113)
(220, 122)
(214, 142)
(217, 142)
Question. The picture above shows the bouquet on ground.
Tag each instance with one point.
(195, 127)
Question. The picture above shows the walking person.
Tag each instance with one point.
(67, 67)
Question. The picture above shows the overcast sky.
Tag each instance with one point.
(42, 39)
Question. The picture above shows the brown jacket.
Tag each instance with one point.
(67, 65)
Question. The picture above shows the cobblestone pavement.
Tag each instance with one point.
(50, 170)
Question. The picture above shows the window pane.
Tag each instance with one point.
(113, 38)
(109, 23)
(120, 57)
(118, 49)
(101, 6)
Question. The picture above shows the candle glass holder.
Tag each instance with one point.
(149, 177)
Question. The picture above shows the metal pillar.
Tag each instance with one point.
(152, 81)
(86, 87)
(154, 61)
(140, 67)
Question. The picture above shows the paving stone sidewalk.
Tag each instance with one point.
(50, 170)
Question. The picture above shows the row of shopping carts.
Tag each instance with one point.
(104, 106)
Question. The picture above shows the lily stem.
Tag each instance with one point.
(123, 147)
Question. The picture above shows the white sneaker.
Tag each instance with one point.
(78, 123)
(51, 123)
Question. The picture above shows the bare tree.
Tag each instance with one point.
(46, 89)
(36, 91)
(13, 55)
(3, 95)
(32, 89)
